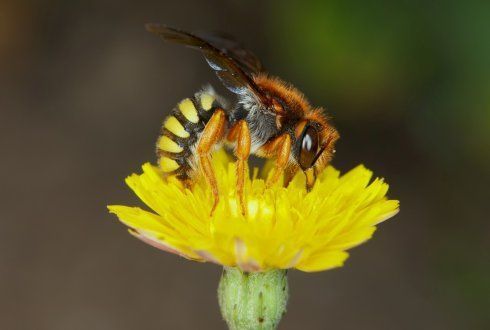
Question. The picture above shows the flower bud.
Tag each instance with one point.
(251, 301)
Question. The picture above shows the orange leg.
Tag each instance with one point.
(241, 134)
(213, 133)
(280, 148)
(289, 174)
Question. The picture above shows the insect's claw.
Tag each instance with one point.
(243, 205)
(215, 204)
(310, 178)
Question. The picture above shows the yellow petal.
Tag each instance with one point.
(283, 227)
(323, 261)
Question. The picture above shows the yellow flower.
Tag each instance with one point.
(283, 228)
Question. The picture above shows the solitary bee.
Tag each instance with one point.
(269, 119)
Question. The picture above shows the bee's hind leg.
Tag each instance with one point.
(212, 134)
(241, 134)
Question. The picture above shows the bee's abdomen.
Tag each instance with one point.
(181, 131)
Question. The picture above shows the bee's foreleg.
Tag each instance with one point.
(289, 174)
(212, 134)
(241, 134)
(280, 148)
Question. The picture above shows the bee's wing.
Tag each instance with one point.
(229, 46)
(225, 67)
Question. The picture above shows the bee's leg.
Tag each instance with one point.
(280, 148)
(289, 174)
(241, 134)
(213, 133)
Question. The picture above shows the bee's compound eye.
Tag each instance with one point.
(309, 147)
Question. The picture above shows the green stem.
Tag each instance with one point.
(251, 301)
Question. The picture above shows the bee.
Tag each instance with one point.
(270, 118)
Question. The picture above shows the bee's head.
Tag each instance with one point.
(315, 137)
(315, 145)
(241, 72)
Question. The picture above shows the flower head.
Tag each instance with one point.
(283, 227)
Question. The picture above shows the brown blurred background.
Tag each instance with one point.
(83, 89)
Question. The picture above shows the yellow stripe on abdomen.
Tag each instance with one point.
(167, 144)
(174, 126)
(168, 165)
(189, 110)
(207, 101)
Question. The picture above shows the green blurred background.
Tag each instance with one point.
(83, 90)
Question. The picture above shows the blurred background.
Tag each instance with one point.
(83, 91)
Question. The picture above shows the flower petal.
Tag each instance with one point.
(323, 261)
(285, 227)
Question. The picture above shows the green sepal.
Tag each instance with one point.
(251, 301)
